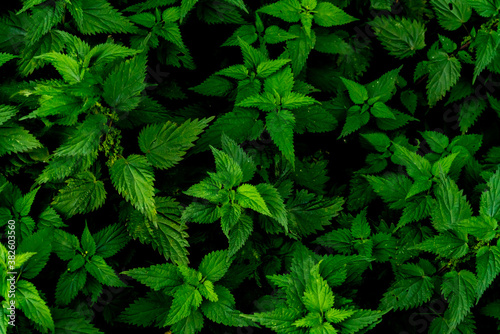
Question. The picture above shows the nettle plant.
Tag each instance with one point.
(203, 166)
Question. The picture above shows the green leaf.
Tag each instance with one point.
(123, 86)
(223, 310)
(328, 15)
(110, 240)
(149, 310)
(482, 227)
(393, 188)
(486, 44)
(452, 13)
(68, 286)
(379, 140)
(230, 214)
(451, 206)
(214, 86)
(274, 203)
(158, 277)
(186, 6)
(214, 265)
(400, 36)
(380, 110)
(437, 141)
(361, 319)
(239, 234)
(70, 322)
(295, 100)
(300, 47)
(82, 194)
(133, 177)
(444, 72)
(490, 199)
(287, 10)
(357, 92)
(492, 309)
(279, 320)
(65, 244)
(487, 266)
(318, 296)
(236, 153)
(165, 144)
(383, 88)
(16, 140)
(238, 72)
(275, 35)
(98, 268)
(281, 82)
(417, 167)
(185, 297)
(5, 57)
(6, 113)
(68, 67)
(268, 67)
(360, 227)
(280, 126)
(106, 53)
(85, 139)
(229, 173)
(413, 289)
(88, 242)
(201, 213)
(97, 16)
(34, 307)
(249, 197)
(459, 288)
(251, 56)
(36, 243)
(354, 120)
(485, 8)
(447, 245)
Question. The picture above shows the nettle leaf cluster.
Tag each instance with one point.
(290, 166)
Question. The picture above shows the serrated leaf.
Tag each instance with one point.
(110, 240)
(318, 296)
(69, 284)
(452, 14)
(16, 140)
(451, 206)
(34, 307)
(400, 36)
(487, 267)
(328, 15)
(380, 141)
(223, 310)
(158, 277)
(133, 177)
(357, 92)
(97, 16)
(39, 243)
(275, 35)
(274, 203)
(149, 310)
(185, 297)
(214, 86)
(239, 234)
(229, 173)
(268, 67)
(82, 194)
(66, 66)
(85, 139)
(214, 265)
(236, 153)
(123, 86)
(248, 196)
(280, 126)
(299, 48)
(485, 8)
(411, 291)
(486, 44)
(70, 322)
(166, 144)
(437, 141)
(459, 288)
(444, 72)
(287, 10)
(381, 110)
(98, 268)
(417, 167)
(447, 245)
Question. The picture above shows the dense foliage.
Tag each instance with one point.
(230, 166)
